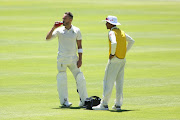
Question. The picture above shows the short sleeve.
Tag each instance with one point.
(79, 36)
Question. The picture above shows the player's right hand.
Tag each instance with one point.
(57, 24)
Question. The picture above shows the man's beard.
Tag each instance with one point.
(65, 24)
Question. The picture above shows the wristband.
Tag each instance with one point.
(80, 50)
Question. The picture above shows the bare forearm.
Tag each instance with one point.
(80, 56)
(79, 47)
(79, 62)
(49, 35)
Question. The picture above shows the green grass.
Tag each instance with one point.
(28, 63)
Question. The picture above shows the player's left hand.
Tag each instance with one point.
(111, 56)
(79, 63)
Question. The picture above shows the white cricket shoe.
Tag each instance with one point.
(101, 107)
(81, 105)
(66, 104)
(115, 107)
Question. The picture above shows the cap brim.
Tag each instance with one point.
(111, 22)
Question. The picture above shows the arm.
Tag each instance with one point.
(50, 34)
(130, 42)
(112, 38)
(79, 45)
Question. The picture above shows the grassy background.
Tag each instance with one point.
(28, 63)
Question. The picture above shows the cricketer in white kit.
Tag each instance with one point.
(69, 38)
(114, 73)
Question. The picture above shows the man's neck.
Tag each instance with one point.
(113, 27)
(68, 27)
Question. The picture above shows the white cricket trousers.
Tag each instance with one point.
(114, 73)
(62, 82)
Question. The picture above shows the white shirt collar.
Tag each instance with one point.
(69, 29)
(114, 28)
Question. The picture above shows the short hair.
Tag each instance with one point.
(69, 14)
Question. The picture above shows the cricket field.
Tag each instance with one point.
(28, 89)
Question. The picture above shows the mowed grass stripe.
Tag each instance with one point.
(28, 63)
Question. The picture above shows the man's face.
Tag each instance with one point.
(66, 20)
(108, 25)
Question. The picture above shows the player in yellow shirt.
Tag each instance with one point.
(114, 72)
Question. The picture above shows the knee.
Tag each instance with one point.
(76, 72)
(80, 77)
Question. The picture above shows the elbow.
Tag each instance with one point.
(133, 41)
(47, 38)
(113, 45)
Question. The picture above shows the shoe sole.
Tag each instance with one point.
(115, 108)
(65, 106)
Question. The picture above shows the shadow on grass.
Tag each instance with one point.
(121, 110)
(67, 108)
(93, 110)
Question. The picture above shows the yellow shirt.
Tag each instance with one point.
(121, 43)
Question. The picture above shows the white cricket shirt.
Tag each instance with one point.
(67, 42)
